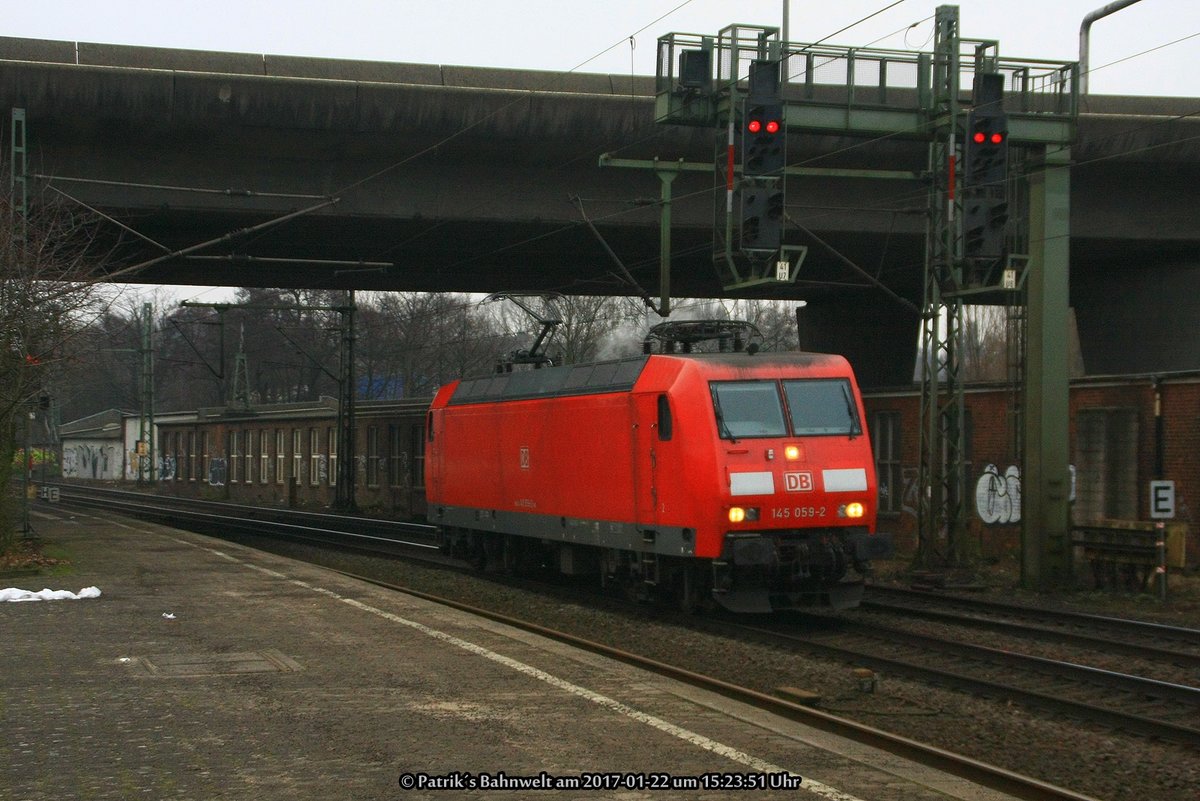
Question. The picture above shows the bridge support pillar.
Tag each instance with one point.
(1045, 517)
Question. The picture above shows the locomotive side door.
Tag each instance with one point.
(644, 410)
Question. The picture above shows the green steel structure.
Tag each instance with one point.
(704, 81)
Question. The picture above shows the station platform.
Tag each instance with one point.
(205, 669)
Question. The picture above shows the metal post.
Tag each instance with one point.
(1045, 523)
(146, 416)
(149, 400)
(1085, 32)
(667, 177)
(26, 467)
(345, 498)
(1160, 534)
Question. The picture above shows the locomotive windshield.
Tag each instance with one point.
(821, 407)
(748, 409)
(756, 409)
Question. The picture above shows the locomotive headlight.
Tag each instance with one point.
(851, 510)
(738, 514)
(791, 452)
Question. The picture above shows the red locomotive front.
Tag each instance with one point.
(790, 507)
(741, 479)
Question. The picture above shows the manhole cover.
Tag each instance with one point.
(270, 661)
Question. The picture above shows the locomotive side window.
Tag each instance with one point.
(748, 409)
(822, 406)
(665, 424)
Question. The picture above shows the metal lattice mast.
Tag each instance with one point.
(241, 373)
(146, 416)
(941, 519)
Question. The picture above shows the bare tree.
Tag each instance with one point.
(985, 344)
(588, 321)
(48, 259)
(422, 340)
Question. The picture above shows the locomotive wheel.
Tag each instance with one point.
(477, 553)
(692, 592)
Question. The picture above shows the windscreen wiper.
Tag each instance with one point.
(851, 411)
(722, 428)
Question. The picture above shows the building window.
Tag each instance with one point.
(206, 454)
(297, 455)
(331, 438)
(885, 439)
(314, 457)
(235, 442)
(191, 447)
(1106, 464)
(372, 456)
(264, 463)
(280, 456)
(248, 467)
(396, 457)
(417, 449)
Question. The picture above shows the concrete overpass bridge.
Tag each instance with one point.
(425, 177)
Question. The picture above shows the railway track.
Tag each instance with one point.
(1120, 701)
(1123, 635)
(967, 674)
(371, 535)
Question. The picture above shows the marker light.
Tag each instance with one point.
(738, 515)
(772, 126)
(754, 126)
(791, 452)
(851, 510)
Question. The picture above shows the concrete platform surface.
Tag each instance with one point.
(209, 670)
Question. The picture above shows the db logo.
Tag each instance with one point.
(524, 457)
(798, 482)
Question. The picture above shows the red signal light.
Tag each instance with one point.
(979, 138)
(773, 126)
(754, 126)
(997, 138)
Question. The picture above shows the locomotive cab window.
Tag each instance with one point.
(822, 406)
(748, 409)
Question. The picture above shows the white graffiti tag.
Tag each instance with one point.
(998, 498)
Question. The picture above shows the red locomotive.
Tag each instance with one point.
(742, 478)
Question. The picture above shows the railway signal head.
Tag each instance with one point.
(763, 147)
(985, 172)
(986, 150)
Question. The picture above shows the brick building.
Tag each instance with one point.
(1125, 432)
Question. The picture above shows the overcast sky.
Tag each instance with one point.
(563, 34)
(594, 35)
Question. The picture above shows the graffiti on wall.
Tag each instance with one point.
(998, 497)
(217, 471)
(910, 501)
(88, 461)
